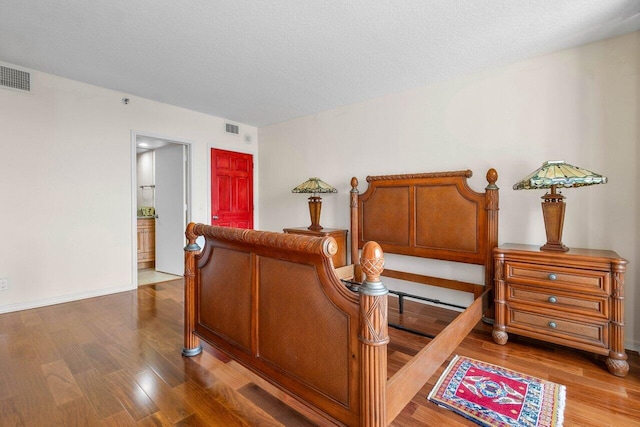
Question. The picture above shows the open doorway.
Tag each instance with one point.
(161, 206)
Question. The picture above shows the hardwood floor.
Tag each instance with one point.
(115, 361)
(150, 276)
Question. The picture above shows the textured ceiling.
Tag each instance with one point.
(264, 61)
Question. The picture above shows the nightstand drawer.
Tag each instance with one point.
(591, 281)
(593, 334)
(588, 305)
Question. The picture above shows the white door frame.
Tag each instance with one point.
(134, 191)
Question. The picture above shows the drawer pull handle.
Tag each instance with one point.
(553, 325)
(553, 300)
(552, 276)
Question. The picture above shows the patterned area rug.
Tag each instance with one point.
(493, 396)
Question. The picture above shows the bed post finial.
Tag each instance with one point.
(492, 177)
(374, 336)
(372, 263)
(192, 345)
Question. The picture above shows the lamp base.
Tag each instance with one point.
(556, 247)
(553, 212)
(315, 206)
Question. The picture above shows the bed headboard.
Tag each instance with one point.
(430, 215)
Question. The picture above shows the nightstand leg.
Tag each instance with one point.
(500, 337)
(617, 360)
(499, 334)
(617, 367)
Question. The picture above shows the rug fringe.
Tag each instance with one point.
(559, 412)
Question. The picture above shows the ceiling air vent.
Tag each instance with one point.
(15, 79)
(231, 128)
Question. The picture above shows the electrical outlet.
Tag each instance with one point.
(4, 284)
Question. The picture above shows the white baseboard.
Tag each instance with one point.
(632, 345)
(63, 298)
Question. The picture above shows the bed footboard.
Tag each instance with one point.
(273, 302)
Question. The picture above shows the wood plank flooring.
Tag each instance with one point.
(116, 361)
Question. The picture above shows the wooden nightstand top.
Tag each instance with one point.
(534, 250)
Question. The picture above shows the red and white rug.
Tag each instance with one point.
(493, 396)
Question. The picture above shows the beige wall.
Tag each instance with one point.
(66, 190)
(579, 105)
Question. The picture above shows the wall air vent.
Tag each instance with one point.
(15, 79)
(232, 128)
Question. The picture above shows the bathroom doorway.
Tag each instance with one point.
(162, 206)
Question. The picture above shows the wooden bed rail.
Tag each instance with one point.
(408, 381)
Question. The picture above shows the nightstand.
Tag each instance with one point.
(146, 243)
(573, 298)
(340, 258)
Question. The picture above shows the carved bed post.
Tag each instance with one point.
(374, 336)
(355, 232)
(492, 199)
(192, 345)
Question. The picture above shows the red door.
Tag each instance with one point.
(231, 189)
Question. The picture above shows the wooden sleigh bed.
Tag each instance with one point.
(274, 303)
